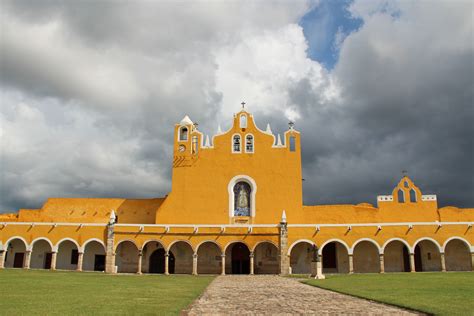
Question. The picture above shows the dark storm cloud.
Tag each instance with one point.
(91, 92)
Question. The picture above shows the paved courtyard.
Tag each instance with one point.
(274, 295)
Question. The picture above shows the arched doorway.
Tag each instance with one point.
(209, 258)
(396, 257)
(265, 259)
(366, 257)
(126, 257)
(335, 258)
(41, 255)
(239, 255)
(183, 257)
(68, 255)
(157, 262)
(15, 256)
(94, 256)
(427, 256)
(300, 258)
(457, 256)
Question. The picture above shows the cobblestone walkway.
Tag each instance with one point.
(274, 295)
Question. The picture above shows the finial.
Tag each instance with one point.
(196, 125)
(283, 217)
(243, 105)
(219, 129)
(207, 141)
(291, 124)
(269, 130)
(404, 173)
(279, 141)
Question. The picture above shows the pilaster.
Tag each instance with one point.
(283, 243)
(110, 254)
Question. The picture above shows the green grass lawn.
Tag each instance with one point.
(44, 292)
(434, 293)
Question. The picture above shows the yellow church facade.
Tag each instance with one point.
(236, 207)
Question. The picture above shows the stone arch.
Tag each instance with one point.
(265, 258)
(457, 254)
(427, 254)
(300, 253)
(234, 242)
(366, 253)
(335, 256)
(68, 252)
(211, 241)
(237, 258)
(39, 239)
(183, 252)
(209, 257)
(126, 256)
(15, 248)
(41, 253)
(396, 253)
(152, 261)
(94, 255)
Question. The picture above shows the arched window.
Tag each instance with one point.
(412, 196)
(401, 197)
(249, 144)
(236, 144)
(183, 133)
(292, 143)
(195, 145)
(243, 121)
(406, 184)
(242, 196)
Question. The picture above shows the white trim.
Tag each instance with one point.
(242, 226)
(404, 242)
(84, 245)
(471, 248)
(253, 144)
(208, 241)
(232, 143)
(312, 243)
(429, 239)
(27, 245)
(67, 239)
(342, 242)
(32, 245)
(428, 197)
(358, 241)
(177, 241)
(385, 198)
(263, 242)
(125, 240)
(253, 194)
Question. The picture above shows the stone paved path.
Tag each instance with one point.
(274, 295)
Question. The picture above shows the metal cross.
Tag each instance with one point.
(243, 104)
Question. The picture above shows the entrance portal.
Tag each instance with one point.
(157, 262)
(240, 259)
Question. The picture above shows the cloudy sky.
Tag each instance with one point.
(90, 91)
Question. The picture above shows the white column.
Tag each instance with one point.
(26, 263)
(382, 264)
(167, 263)
(472, 261)
(54, 256)
(351, 264)
(223, 264)
(251, 263)
(140, 257)
(80, 260)
(443, 262)
(195, 263)
(2, 259)
(412, 262)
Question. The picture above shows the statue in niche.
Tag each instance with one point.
(242, 199)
